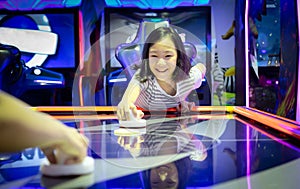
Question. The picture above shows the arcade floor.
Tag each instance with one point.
(211, 147)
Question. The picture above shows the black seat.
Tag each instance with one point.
(16, 78)
(10, 65)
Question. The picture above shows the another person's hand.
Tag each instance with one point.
(123, 111)
(72, 149)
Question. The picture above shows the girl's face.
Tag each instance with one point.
(162, 59)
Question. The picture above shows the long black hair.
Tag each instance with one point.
(183, 64)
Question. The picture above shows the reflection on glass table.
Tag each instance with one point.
(185, 151)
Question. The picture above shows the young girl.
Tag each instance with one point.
(164, 78)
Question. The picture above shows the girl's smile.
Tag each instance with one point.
(163, 58)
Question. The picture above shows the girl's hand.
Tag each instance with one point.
(132, 144)
(123, 111)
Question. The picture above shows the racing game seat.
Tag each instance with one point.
(16, 78)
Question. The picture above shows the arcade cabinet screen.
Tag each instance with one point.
(46, 39)
(121, 25)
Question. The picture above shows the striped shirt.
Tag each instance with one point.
(171, 132)
(153, 97)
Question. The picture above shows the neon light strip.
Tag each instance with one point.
(146, 4)
(215, 116)
(113, 116)
(274, 116)
(45, 82)
(298, 89)
(247, 90)
(81, 56)
(246, 52)
(264, 119)
(248, 160)
(228, 109)
(81, 41)
(281, 141)
(84, 117)
(279, 125)
(74, 108)
(80, 90)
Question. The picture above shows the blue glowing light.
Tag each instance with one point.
(155, 4)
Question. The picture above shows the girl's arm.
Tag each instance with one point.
(21, 127)
(127, 103)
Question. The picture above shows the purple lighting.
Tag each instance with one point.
(248, 161)
(246, 52)
(155, 4)
(298, 88)
(38, 5)
(263, 51)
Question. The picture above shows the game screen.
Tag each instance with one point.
(47, 39)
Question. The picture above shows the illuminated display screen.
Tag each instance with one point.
(47, 39)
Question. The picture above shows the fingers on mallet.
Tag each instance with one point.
(127, 115)
(49, 153)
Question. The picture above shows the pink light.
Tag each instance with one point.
(81, 126)
(248, 173)
(246, 52)
(81, 56)
(81, 41)
(298, 89)
(281, 141)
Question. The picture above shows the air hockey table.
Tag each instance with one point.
(209, 147)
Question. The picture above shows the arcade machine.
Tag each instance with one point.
(43, 54)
